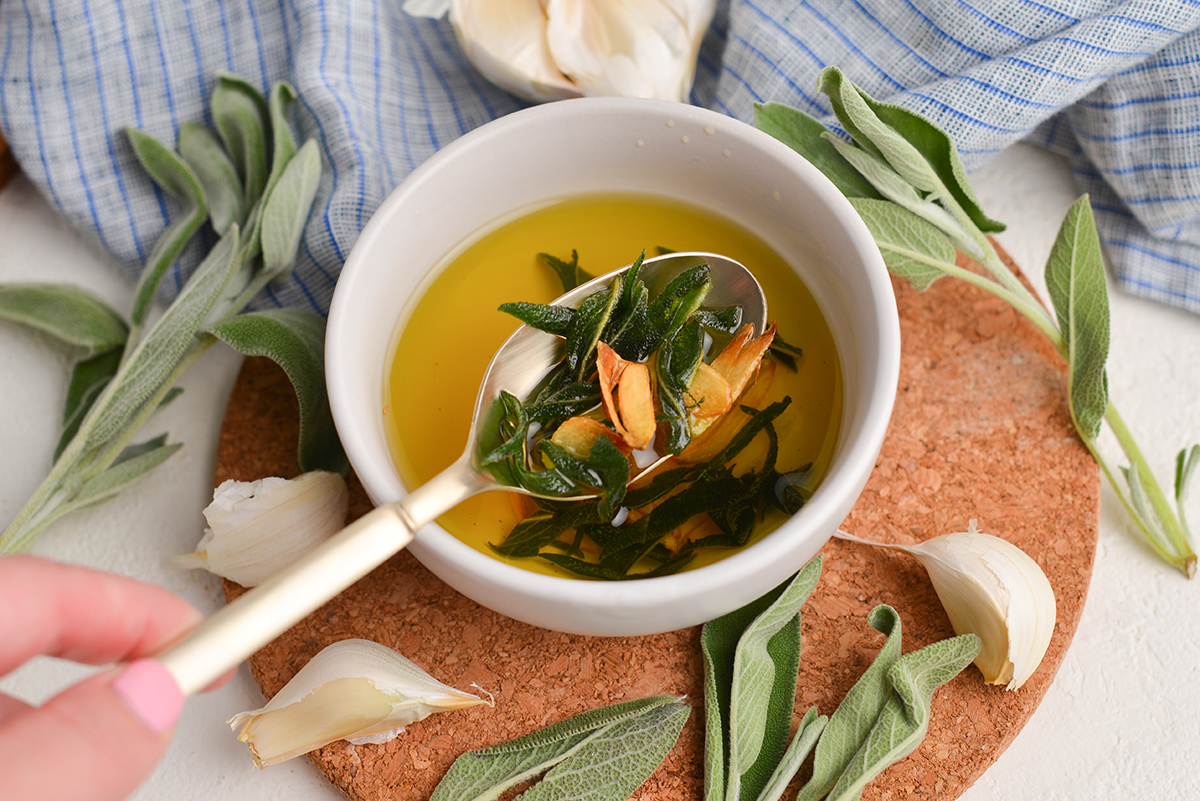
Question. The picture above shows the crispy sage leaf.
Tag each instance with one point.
(66, 313)
(288, 208)
(1075, 281)
(243, 120)
(904, 718)
(542, 316)
(173, 174)
(749, 692)
(201, 148)
(569, 272)
(803, 134)
(911, 247)
(611, 766)
(484, 774)
(850, 724)
(295, 340)
(158, 354)
(859, 114)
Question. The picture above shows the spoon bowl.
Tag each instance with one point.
(260, 615)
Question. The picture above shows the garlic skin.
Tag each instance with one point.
(628, 48)
(354, 690)
(552, 49)
(257, 528)
(991, 588)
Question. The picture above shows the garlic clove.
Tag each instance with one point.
(506, 41)
(991, 588)
(257, 528)
(631, 48)
(354, 690)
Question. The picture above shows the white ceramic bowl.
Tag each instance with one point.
(618, 145)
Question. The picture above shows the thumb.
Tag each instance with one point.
(95, 741)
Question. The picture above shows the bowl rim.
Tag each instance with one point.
(852, 467)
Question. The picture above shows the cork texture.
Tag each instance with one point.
(980, 431)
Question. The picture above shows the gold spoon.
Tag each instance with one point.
(239, 629)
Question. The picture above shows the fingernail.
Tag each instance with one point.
(151, 692)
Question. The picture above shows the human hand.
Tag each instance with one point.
(97, 740)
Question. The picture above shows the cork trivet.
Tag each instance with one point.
(980, 430)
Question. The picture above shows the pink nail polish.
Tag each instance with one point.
(150, 691)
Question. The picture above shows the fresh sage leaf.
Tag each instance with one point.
(89, 377)
(287, 209)
(927, 139)
(133, 463)
(176, 178)
(810, 729)
(904, 718)
(243, 120)
(201, 148)
(295, 340)
(1185, 468)
(484, 774)
(279, 102)
(756, 678)
(157, 355)
(803, 134)
(66, 313)
(1076, 283)
(766, 663)
(854, 718)
(911, 247)
(611, 766)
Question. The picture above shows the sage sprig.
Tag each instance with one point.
(603, 754)
(255, 187)
(904, 177)
(751, 658)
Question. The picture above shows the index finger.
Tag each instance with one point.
(84, 615)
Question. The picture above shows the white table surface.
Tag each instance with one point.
(1122, 719)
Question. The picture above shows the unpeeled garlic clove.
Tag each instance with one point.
(257, 528)
(551, 49)
(354, 690)
(991, 588)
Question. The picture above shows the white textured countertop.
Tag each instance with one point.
(1122, 719)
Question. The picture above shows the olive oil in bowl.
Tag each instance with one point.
(453, 330)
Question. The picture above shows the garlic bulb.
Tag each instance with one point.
(550, 49)
(257, 528)
(991, 588)
(354, 690)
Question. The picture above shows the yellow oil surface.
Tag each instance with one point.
(453, 330)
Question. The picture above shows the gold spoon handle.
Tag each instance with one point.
(239, 629)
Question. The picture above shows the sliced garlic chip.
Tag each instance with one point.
(354, 690)
(257, 528)
(991, 588)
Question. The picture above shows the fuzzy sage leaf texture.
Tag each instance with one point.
(1076, 283)
(904, 718)
(911, 247)
(294, 339)
(603, 754)
(749, 689)
(66, 313)
(245, 171)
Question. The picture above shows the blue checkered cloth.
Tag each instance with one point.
(1114, 85)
